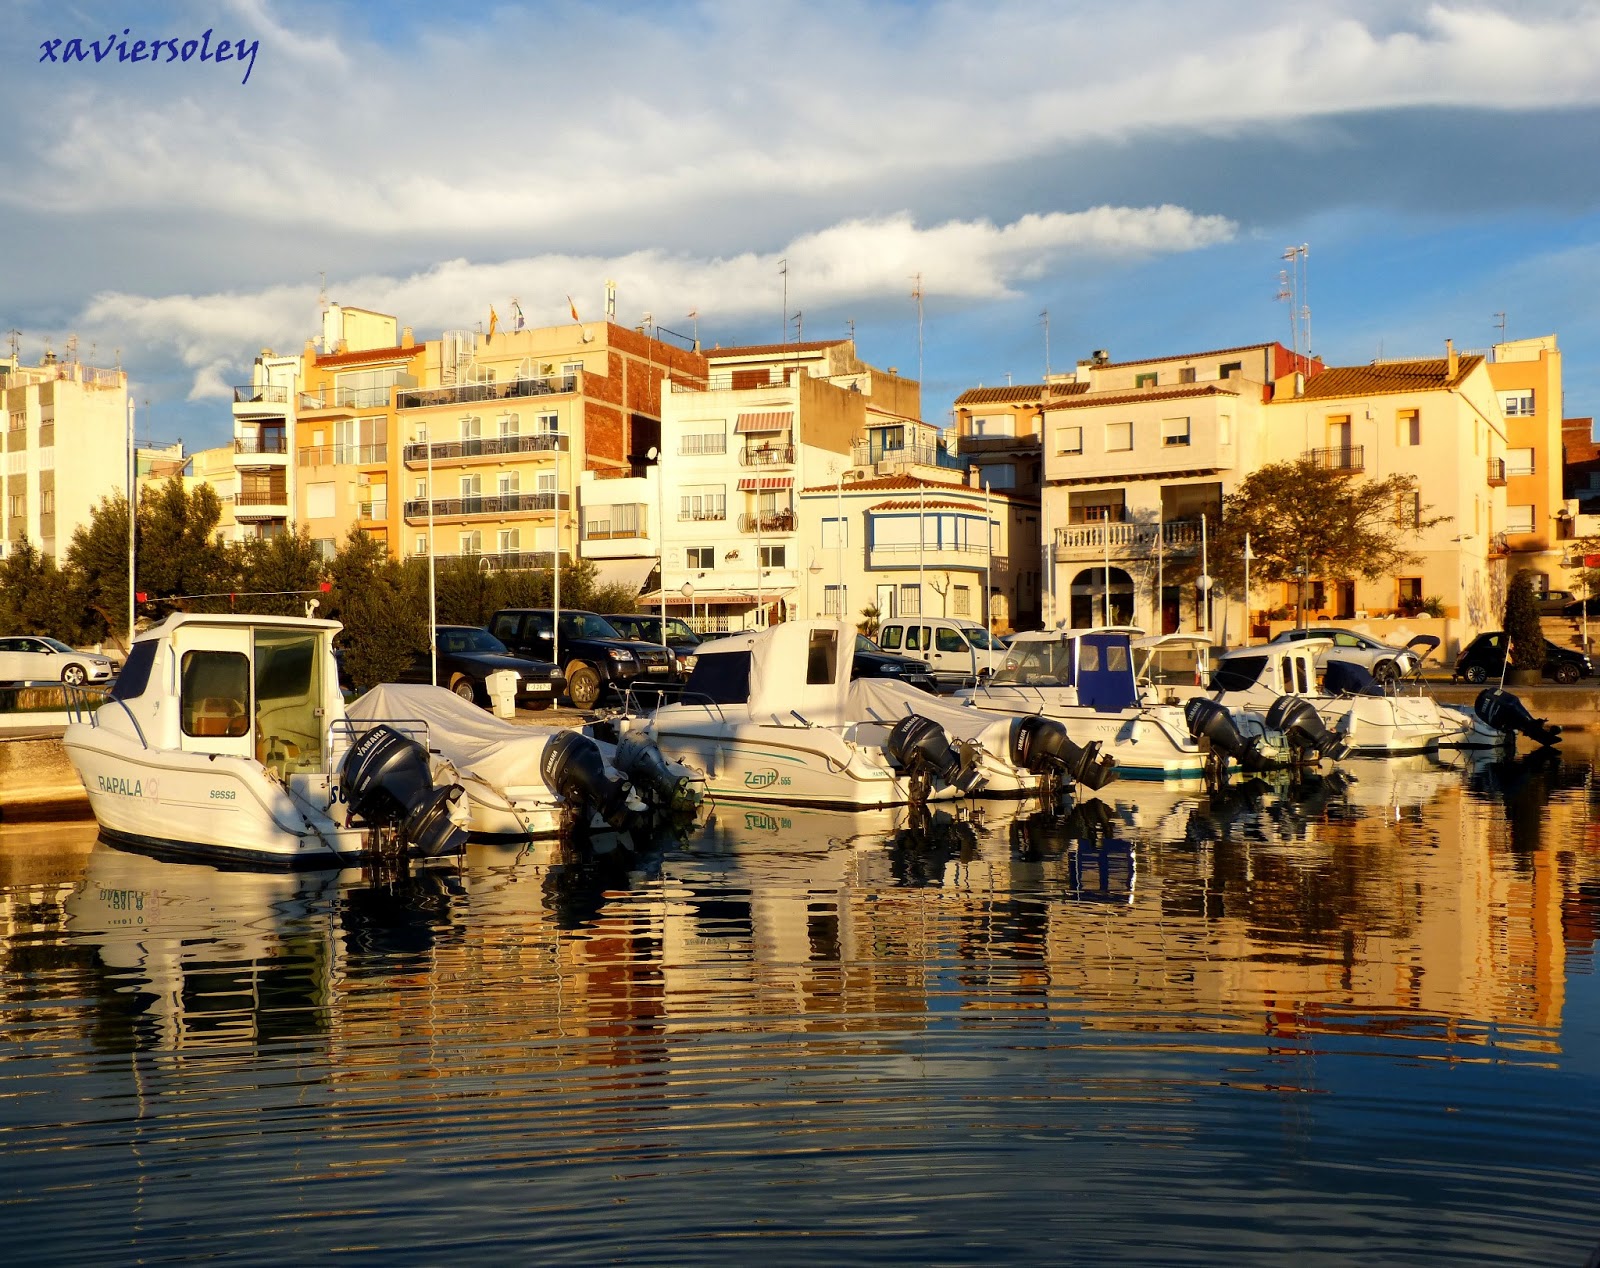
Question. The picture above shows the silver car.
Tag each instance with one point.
(26, 658)
(1383, 662)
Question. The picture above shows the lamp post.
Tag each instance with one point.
(688, 593)
(654, 455)
(1248, 556)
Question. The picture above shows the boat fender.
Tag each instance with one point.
(1303, 727)
(574, 770)
(1211, 722)
(1502, 711)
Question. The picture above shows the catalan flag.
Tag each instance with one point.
(494, 321)
(573, 309)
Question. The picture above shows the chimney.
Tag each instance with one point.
(407, 338)
(1452, 363)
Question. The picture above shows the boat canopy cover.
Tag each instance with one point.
(480, 746)
(798, 667)
(1105, 672)
(887, 701)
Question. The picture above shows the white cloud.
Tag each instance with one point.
(854, 261)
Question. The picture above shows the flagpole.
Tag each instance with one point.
(1161, 607)
(922, 554)
(838, 542)
(133, 521)
(1105, 587)
(1247, 558)
(433, 605)
(988, 560)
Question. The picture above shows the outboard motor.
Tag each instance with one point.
(920, 747)
(1502, 711)
(1042, 746)
(1209, 721)
(642, 765)
(388, 784)
(1304, 730)
(573, 768)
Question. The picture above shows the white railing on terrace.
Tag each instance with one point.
(1127, 536)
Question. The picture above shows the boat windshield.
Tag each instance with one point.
(1238, 673)
(1037, 664)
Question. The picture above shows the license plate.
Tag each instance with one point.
(536, 686)
(657, 669)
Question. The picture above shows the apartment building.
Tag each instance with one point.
(1000, 430)
(1526, 374)
(908, 546)
(770, 420)
(264, 410)
(86, 411)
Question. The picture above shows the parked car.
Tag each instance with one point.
(593, 654)
(871, 661)
(957, 650)
(28, 658)
(1485, 658)
(643, 628)
(1557, 603)
(468, 655)
(1383, 662)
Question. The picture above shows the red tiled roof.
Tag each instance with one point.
(770, 349)
(910, 484)
(1387, 376)
(1194, 356)
(1142, 395)
(370, 354)
(926, 505)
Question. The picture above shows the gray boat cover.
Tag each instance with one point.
(884, 700)
(478, 746)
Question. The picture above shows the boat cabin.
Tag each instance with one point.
(1090, 668)
(799, 667)
(1172, 667)
(1270, 671)
(259, 687)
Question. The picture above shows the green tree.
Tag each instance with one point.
(97, 571)
(384, 615)
(34, 597)
(1336, 524)
(276, 573)
(1522, 625)
(180, 551)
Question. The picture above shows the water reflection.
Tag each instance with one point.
(907, 1019)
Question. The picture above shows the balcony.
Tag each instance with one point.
(1345, 458)
(772, 522)
(274, 443)
(720, 513)
(473, 393)
(488, 447)
(492, 506)
(967, 444)
(1089, 541)
(343, 399)
(253, 505)
(507, 560)
(767, 456)
(342, 455)
(909, 554)
(1497, 473)
(266, 398)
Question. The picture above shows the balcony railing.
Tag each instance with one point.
(261, 444)
(871, 455)
(490, 504)
(599, 533)
(345, 398)
(774, 522)
(1116, 535)
(1345, 458)
(259, 497)
(1497, 472)
(327, 455)
(508, 560)
(487, 447)
(899, 552)
(717, 513)
(266, 394)
(467, 393)
(766, 456)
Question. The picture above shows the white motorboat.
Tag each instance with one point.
(1086, 680)
(773, 715)
(222, 739)
(530, 781)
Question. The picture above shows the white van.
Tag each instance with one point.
(957, 650)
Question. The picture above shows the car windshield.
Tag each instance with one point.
(586, 625)
(979, 637)
(481, 641)
(55, 644)
(865, 644)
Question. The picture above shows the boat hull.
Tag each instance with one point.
(1143, 745)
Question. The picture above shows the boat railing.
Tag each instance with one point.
(31, 695)
(344, 732)
(633, 699)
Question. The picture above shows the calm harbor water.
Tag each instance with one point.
(1324, 1024)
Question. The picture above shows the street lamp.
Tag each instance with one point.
(654, 455)
(688, 593)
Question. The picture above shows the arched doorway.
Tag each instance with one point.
(1090, 592)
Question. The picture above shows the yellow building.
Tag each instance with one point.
(1526, 374)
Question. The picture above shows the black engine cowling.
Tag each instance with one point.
(572, 767)
(1208, 720)
(388, 784)
(641, 763)
(919, 742)
(1042, 746)
(1303, 728)
(1504, 712)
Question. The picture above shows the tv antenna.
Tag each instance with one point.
(1293, 286)
(916, 294)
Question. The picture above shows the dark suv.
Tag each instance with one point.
(1485, 658)
(871, 661)
(592, 653)
(646, 628)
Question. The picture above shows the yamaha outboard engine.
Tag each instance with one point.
(642, 765)
(920, 747)
(1504, 712)
(1304, 729)
(573, 768)
(1208, 720)
(388, 784)
(1042, 746)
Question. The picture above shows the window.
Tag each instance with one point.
(1145, 380)
(471, 427)
(421, 544)
(1519, 462)
(47, 502)
(946, 639)
(704, 438)
(508, 484)
(320, 501)
(774, 556)
(701, 557)
(1517, 404)
(547, 422)
(961, 601)
(471, 486)
(1119, 437)
(422, 489)
(1002, 475)
(19, 419)
(830, 600)
(1231, 368)
(545, 482)
(994, 425)
(14, 504)
(1409, 589)
(911, 600)
(889, 638)
(703, 502)
(508, 541)
(822, 657)
(835, 533)
(1186, 374)
(1408, 511)
(1519, 519)
(471, 543)
(510, 424)
(1174, 431)
(1069, 440)
(1408, 425)
(214, 694)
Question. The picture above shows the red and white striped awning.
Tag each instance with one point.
(754, 484)
(765, 420)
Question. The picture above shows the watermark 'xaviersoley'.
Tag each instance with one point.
(164, 50)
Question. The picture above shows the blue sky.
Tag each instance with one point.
(1136, 169)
